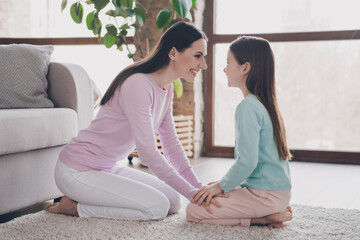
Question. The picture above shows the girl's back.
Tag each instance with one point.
(256, 148)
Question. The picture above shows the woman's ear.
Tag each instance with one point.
(172, 53)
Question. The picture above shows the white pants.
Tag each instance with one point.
(125, 194)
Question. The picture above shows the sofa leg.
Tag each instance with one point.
(57, 199)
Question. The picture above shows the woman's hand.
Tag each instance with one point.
(204, 196)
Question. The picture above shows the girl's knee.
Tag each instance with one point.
(192, 211)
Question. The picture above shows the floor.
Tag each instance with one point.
(315, 184)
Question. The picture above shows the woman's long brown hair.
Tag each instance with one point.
(181, 35)
(261, 82)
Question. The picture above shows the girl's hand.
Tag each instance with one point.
(213, 201)
(206, 194)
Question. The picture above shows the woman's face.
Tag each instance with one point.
(189, 62)
(234, 71)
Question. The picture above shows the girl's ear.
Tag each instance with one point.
(172, 53)
(247, 68)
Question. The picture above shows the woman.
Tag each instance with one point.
(138, 101)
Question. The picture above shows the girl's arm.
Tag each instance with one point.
(136, 101)
(174, 151)
(247, 132)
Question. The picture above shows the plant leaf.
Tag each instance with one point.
(124, 32)
(119, 41)
(125, 26)
(178, 87)
(77, 12)
(130, 3)
(117, 3)
(182, 7)
(100, 4)
(97, 25)
(138, 4)
(140, 16)
(193, 2)
(111, 13)
(163, 18)
(129, 11)
(172, 22)
(111, 29)
(137, 28)
(121, 12)
(90, 21)
(63, 5)
(126, 3)
(109, 40)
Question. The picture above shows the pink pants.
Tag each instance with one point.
(242, 205)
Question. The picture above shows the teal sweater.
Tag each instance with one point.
(258, 163)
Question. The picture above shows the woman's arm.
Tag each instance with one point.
(174, 151)
(136, 101)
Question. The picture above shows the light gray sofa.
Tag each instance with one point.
(31, 139)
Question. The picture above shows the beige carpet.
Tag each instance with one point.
(308, 223)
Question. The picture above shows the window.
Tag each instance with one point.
(278, 16)
(316, 55)
(42, 22)
(101, 64)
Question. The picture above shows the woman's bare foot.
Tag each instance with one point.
(66, 206)
(274, 220)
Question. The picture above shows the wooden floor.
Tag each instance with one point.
(314, 184)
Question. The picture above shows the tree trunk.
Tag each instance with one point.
(149, 35)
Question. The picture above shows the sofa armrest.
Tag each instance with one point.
(69, 86)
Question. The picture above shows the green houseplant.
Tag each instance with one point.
(111, 21)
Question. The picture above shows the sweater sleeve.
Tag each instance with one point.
(174, 151)
(247, 132)
(136, 101)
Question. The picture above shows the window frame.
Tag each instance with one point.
(58, 41)
(211, 150)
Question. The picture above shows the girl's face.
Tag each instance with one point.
(234, 71)
(189, 62)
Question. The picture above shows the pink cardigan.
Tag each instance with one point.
(127, 121)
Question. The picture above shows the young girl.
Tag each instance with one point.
(258, 184)
(138, 101)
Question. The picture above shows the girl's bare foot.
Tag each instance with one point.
(66, 206)
(274, 220)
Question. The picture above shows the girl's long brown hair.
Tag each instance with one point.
(261, 82)
(180, 35)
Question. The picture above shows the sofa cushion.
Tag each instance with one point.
(23, 70)
(27, 129)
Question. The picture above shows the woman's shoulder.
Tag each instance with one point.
(138, 77)
(136, 82)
